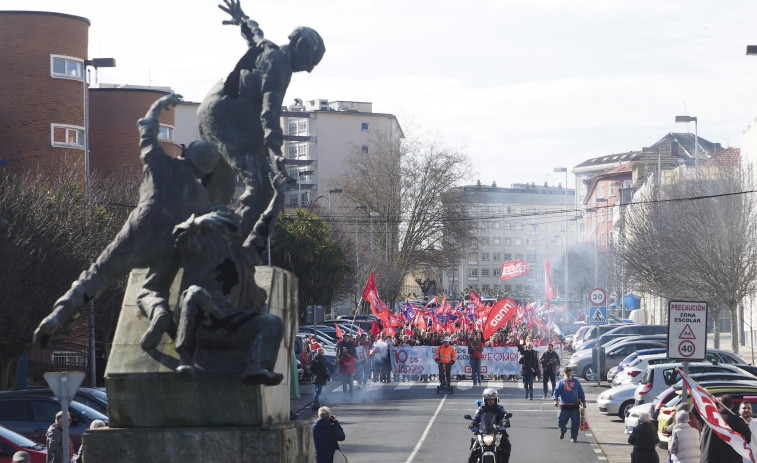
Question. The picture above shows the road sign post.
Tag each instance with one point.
(687, 333)
(597, 316)
(64, 385)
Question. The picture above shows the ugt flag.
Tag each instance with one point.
(370, 294)
(707, 406)
(500, 313)
(513, 268)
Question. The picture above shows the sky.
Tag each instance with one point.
(522, 86)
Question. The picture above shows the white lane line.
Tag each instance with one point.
(425, 433)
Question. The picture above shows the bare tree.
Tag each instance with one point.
(408, 181)
(697, 240)
(50, 230)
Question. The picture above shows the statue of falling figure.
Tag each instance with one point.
(178, 223)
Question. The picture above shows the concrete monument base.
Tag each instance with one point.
(155, 415)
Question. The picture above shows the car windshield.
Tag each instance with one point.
(89, 413)
(19, 440)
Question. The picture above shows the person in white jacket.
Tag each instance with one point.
(684, 441)
(745, 411)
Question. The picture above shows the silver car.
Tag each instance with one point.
(632, 417)
(617, 401)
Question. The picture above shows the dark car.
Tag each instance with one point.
(12, 442)
(93, 397)
(31, 415)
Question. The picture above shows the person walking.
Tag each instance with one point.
(713, 448)
(745, 411)
(684, 440)
(445, 356)
(327, 433)
(569, 396)
(381, 353)
(476, 352)
(363, 360)
(549, 361)
(529, 369)
(319, 373)
(54, 440)
(644, 439)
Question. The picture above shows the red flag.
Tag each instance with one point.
(375, 329)
(435, 325)
(513, 268)
(339, 333)
(360, 330)
(502, 311)
(314, 344)
(394, 321)
(389, 330)
(370, 294)
(549, 290)
(474, 297)
(420, 321)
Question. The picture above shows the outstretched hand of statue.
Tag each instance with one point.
(234, 9)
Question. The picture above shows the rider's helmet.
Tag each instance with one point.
(490, 397)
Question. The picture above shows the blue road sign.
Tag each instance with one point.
(596, 315)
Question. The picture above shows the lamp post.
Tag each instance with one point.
(336, 190)
(619, 186)
(607, 230)
(565, 274)
(693, 119)
(95, 63)
(357, 254)
(373, 214)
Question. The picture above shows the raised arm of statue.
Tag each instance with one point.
(149, 126)
(250, 28)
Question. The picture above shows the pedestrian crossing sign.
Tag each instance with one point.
(597, 315)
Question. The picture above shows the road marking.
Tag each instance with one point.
(425, 433)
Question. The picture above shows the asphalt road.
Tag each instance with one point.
(410, 422)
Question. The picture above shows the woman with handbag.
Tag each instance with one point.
(327, 432)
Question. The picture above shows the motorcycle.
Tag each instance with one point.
(491, 438)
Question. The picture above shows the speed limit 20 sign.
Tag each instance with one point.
(687, 330)
(597, 296)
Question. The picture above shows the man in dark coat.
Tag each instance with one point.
(549, 362)
(529, 361)
(716, 450)
(326, 432)
(644, 439)
(319, 372)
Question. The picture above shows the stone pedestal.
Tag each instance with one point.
(155, 415)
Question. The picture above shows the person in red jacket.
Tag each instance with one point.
(476, 351)
(347, 369)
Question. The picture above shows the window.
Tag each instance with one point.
(495, 225)
(66, 67)
(473, 257)
(518, 226)
(484, 256)
(485, 288)
(484, 272)
(508, 256)
(518, 242)
(68, 359)
(165, 132)
(67, 136)
(302, 127)
(496, 257)
(508, 226)
(364, 149)
(45, 410)
(302, 149)
(495, 272)
(292, 150)
(483, 241)
(518, 256)
(472, 273)
(507, 289)
(496, 241)
(292, 126)
(293, 199)
(530, 258)
(364, 127)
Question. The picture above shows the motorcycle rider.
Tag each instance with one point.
(491, 405)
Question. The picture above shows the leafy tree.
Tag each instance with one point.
(303, 245)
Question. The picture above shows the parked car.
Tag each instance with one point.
(617, 401)
(659, 377)
(12, 442)
(626, 330)
(585, 367)
(613, 372)
(93, 397)
(634, 371)
(31, 415)
(594, 332)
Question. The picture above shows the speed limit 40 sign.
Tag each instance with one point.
(687, 330)
(597, 296)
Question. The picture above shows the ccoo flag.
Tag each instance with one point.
(549, 290)
(502, 311)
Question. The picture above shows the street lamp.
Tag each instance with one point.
(95, 63)
(373, 214)
(619, 185)
(357, 253)
(693, 119)
(607, 230)
(565, 274)
(336, 190)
